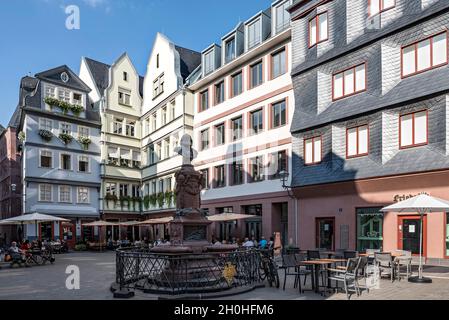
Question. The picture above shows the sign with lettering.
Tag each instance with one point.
(399, 198)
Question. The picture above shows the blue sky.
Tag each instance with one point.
(34, 36)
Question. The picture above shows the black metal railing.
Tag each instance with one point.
(175, 274)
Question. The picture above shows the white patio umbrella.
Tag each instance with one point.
(131, 224)
(223, 217)
(100, 224)
(420, 204)
(32, 218)
(156, 221)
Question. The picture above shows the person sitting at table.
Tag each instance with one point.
(271, 243)
(263, 243)
(248, 243)
(25, 246)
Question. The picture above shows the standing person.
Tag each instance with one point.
(256, 244)
(263, 243)
(271, 243)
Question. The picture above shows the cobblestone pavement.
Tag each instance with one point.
(97, 271)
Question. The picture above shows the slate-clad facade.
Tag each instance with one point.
(365, 138)
(60, 131)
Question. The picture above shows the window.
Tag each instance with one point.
(164, 115)
(205, 139)
(157, 61)
(209, 62)
(204, 100)
(125, 157)
(205, 178)
(125, 76)
(118, 126)
(318, 29)
(113, 156)
(172, 110)
(45, 124)
(282, 17)
(312, 150)
(130, 129)
(65, 128)
(50, 91)
(413, 129)
(158, 86)
(168, 184)
(219, 92)
(45, 191)
(83, 195)
(64, 95)
(236, 84)
(230, 52)
(447, 234)
(256, 121)
(159, 151)
(256, 169)
(153, 122)
(424, 55)
(378, 6)
(153, 187)
(256, 74)
(111, 188)
(237, 173)
(167, 148)
(135, 191)
(219, 176)
(83, 163)
(254, 34)
(123, 190)
(124, 98)
(220, 134)
(237, 128)
(152, 154)
(46, 159)
(161, 185)
(65, 194)
(278, 163)
(279, 114)
(66, 162)
(357, 142)
(369, 229)
(278, 64)
(349, 82)
(83, 132)
(77, 99)
(137, 159)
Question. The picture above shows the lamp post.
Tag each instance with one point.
(284, 175)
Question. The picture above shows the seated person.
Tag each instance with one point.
(248, 243)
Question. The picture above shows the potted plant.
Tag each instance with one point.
(126, 199)
(111, 197)
(153, 199)
(168, 196)
(85, 142)
(66, 138)
(146, 201)
(76, 109)
(64, 107)
(160, 199)
(52, 102)
(46, 135)
(21, 136)
(137, 200)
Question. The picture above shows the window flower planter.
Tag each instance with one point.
(46, 135)
(66, 138)
(85, 142)
(111, 197)
(65, 107)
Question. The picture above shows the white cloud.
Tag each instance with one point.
(95, 3)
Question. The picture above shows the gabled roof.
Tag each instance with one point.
(54, 76)
(15, 118)
(100, 73)
(190, 60)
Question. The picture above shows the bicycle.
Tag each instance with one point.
(268, 268)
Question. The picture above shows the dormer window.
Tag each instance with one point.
(230, 50)
(378, 6)
(50, 91)
(254, 34)
(318, 29)
(282, 17)
(77, 98)
(208, 62)
(64, 95)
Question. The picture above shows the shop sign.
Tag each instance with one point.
(399, 198)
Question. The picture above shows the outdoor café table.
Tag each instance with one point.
(316, 264)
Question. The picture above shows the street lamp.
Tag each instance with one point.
(284, 175)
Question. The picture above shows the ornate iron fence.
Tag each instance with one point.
(176, 274)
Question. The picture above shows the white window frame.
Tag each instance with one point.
(70, 194)
(88, 163)
(64, 95)
(40, 158)
(47, 89)
(62, 124)
(60, 161)
(45, 125)
(80, 128)
(78, 195)
(379, 6)
(40, 193)
(315, 34)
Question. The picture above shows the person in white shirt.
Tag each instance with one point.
(248, 243)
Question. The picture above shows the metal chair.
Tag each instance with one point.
(385, 263)
(290, 267)
(361, 273)
(403, 261)
(347, 276)
(370, 253)
(350, 254)
(315, 255)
